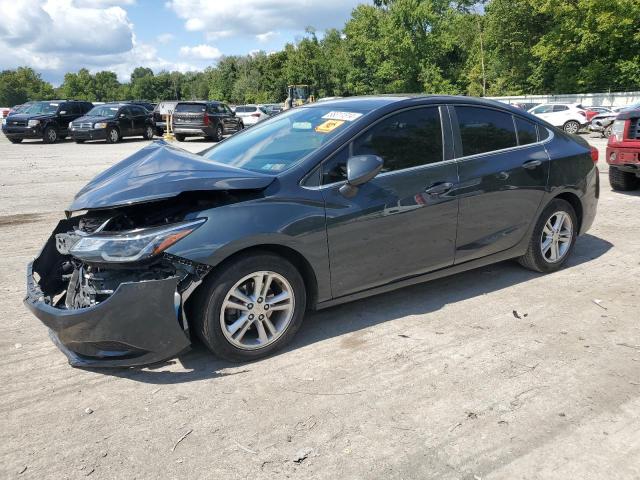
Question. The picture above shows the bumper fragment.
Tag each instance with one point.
(137, 325)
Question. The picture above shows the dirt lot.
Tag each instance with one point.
(498, 373)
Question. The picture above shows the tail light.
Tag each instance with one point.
(594, 154)
(206, 119)
(255, 115)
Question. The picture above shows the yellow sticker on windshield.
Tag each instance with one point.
(329, 126)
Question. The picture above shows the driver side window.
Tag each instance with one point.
(407, 139)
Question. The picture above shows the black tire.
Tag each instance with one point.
(205, 308)
(113, 135)
(219, 133)
(180, 137)
(79, 141)
(241, 126)
(16, 140)
(607, 131)
(148, 132)
(571, 126)
(622, 181)
(50, 135)
(534, 259)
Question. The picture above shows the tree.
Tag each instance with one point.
(23, 84)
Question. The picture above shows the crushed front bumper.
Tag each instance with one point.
(137, 325)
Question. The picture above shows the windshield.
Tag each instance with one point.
(40, 108)
(191, 107)
(103, 111)
(275, 145)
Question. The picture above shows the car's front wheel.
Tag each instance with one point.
(553, 238)
(148, 132)
(113, 135)
(622, 181)
(250, 307)
(50, 135)
(571, 126)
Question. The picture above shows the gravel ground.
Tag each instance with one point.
(498, 373)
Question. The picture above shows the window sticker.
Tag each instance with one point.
(301, 125)
(329, 126)
(346, 116)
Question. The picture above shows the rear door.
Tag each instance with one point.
(503, 176)
(403, 222)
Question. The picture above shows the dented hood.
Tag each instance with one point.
(162, 171)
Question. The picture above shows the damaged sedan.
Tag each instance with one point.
(320, 205)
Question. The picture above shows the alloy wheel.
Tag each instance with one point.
(556, 237)
(149, 133)
(113, 135)
(257, 310)
(52, 135)
(571, 127)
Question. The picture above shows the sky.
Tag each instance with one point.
(59, 36)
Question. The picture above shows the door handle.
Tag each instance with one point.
(531, 164)
(439, 188)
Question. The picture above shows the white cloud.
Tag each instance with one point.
(265, 37)
(57, 36)
(165, 38)
(201, 52)
(259, 17)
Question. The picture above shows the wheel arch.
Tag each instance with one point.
(294, 256)
(575, 202)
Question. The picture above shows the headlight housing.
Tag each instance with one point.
(33, 123)
(100, 125)
(70, 125)
(132, 245)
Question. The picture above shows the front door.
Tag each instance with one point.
(503, 176)
(401, 223)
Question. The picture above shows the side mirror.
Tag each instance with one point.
(360, 170)
(63, 112)
(122, 115)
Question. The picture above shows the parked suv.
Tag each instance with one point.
(623, 151)
(46, 120)
(112, 122)
(571, 117)
(252, 114)
(207, 119)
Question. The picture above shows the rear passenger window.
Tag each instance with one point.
(527, 132)
(484, 130)
(404, 140)
(560, 108)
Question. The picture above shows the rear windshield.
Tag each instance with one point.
(191, 107)
(245, 109)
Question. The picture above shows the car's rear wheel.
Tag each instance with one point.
(180, 137)
(113, 135)
(148, 132)
(219, 133)
(607, 131)
(50, 135)
(250, 307)
(571, 126)
(553, 238)
(15, 140)
(622, 181)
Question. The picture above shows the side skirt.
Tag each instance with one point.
(514, 252)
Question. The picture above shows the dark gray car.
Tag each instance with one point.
(317, 206)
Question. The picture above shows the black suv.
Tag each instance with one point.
(112, 122)
(46, 120)
(207, 119)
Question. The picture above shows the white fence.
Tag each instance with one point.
(615, 99)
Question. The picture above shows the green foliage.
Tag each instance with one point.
(486, 47)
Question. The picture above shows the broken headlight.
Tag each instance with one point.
(132, 245)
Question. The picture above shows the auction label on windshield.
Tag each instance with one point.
(329, 126)
(347, 116)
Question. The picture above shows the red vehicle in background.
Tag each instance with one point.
(623, 151)
(593, 111)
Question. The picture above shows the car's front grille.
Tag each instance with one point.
(634, 128)
(16, 123)
(82, 126)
